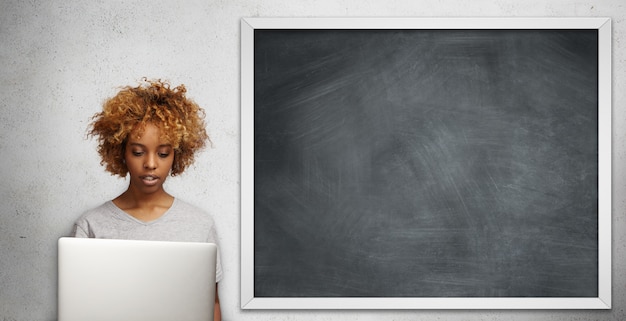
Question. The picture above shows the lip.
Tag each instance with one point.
(149, 180)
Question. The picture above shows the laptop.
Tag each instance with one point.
(103, 279)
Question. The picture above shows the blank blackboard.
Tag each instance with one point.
(426, 163)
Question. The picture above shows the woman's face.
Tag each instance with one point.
(149, 160)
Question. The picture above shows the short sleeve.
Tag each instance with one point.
(212, 238)
(79, 231)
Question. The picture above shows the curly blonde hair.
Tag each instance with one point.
(179, 119)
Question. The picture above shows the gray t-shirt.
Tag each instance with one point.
(181, 223)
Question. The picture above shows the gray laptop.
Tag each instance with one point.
(122, 280)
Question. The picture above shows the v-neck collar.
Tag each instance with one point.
(124, 215)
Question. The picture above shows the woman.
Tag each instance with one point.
(149, 132)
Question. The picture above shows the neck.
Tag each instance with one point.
(134, 198)
(144, 207)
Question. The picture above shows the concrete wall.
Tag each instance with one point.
(60, 59)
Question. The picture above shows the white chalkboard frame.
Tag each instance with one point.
(249, 301)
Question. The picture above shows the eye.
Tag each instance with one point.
(137, 153)
(164, 155)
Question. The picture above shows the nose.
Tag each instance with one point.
(150, 162)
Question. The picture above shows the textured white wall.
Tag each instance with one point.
(60, 59)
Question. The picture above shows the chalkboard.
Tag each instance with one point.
(402, 163)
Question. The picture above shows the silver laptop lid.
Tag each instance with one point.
(101, 279)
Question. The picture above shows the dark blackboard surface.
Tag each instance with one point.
(426, 163)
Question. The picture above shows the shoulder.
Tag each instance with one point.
(188, 222)
(100, 212)
(184, 205)
(191, 212)
(97, 216)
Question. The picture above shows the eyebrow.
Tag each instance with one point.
(142, 145)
